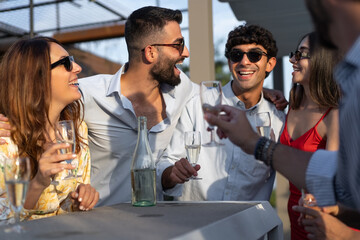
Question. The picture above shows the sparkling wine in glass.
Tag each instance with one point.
(17, 173)
(65, 133)
(211, 95)
(263, 124)
(193, 145)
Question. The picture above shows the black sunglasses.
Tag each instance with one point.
(253, 55)
(179, 46)
(299, 55)
(66, 61)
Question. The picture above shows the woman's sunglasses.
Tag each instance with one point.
(66, 61)
(253, 56)
(299, 55)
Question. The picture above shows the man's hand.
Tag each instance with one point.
(179, 173)
(276, 97)
(324, 226)
(85, 197)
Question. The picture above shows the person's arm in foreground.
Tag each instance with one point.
(290, 162)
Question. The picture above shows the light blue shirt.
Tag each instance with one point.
(227, 172)
(112, 127)
(335, 176)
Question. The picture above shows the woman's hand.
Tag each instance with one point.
(84, 197)
(4, 128)
(51, 163)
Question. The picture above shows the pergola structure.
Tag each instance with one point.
(70, 21)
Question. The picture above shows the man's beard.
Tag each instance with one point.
(321, 20)
(163, 72)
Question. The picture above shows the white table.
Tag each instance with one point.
(166, 220)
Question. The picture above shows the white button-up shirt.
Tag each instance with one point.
(227, 172)
(112, 125)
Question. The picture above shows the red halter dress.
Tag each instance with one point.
(309, 141)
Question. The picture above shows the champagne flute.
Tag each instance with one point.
(192, 145)
(263, 124)
(17, 173)
(309, 201)
(211, 95)
(65, 133)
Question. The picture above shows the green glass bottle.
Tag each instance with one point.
(143, 177)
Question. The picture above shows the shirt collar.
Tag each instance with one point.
(115, 84)
(235, 101)
(352, 57)
(350, 63)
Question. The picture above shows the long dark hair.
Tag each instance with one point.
(25, 96)
(324, 91)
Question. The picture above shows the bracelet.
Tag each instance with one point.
(272, 149)
(265, 151)
(259, 147)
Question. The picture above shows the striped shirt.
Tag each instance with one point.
(336, 176)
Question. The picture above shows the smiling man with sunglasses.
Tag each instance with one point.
(227, 173)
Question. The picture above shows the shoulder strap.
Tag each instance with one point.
(323, 116)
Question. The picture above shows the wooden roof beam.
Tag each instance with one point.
(96, 33)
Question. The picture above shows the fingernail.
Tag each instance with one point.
(80, 199)
(87, 209)
(74, 155)
(76, 195)
(81, 208)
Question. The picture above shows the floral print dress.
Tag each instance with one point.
(55, 198)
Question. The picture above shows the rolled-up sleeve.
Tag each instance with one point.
(320, 175)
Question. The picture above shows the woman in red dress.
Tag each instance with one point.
(312, 119)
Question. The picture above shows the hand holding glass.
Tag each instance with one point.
(211, 95)
(193, 145)
(309, 201)
(17, 173)
(263, 124)
(65, 133)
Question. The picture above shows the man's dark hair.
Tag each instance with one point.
(144, 25)
(248, 34)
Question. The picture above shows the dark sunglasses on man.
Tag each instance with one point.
(179, 46)
(66, 61)
(253, 55)
(299, 55)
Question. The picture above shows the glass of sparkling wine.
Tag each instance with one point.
(309, 201)
(193, 145)
(211, 95)
(65, 133)
(263, 124)
(17, 172)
